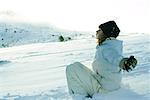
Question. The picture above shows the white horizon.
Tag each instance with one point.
(80, 15)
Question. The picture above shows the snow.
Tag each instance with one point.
(13, 34)
(36, 70)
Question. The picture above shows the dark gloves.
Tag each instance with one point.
(128, 63)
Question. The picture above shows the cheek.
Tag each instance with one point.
(98, 35)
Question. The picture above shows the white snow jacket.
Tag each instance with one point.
(106, 64)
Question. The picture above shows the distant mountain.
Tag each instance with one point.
(12, 34)
(7, 13)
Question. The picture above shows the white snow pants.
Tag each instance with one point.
(81, 80)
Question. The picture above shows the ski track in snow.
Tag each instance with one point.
(37, 71)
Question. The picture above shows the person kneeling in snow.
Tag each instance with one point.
(107, 65)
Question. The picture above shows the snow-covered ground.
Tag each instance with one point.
(37, 71)
(18, 33)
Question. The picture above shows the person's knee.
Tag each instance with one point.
(70, 69)
(78, 65)
(73, 67)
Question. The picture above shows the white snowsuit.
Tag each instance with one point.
(106, 75)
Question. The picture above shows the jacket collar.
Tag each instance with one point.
(111, 41)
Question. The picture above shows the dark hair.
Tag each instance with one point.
(110, 29)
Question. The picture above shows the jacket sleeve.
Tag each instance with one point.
(112, 56)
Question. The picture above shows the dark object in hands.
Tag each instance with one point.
(130, 64)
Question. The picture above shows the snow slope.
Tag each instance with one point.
(37, 71)
(17, 33)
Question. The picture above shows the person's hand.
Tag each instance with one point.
(128, 63)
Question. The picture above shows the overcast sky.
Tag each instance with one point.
(83, 15)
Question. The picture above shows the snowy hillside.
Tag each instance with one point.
(12, 34)
(37, 71)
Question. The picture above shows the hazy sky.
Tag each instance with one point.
(84, 15)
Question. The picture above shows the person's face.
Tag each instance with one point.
(100, 35)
